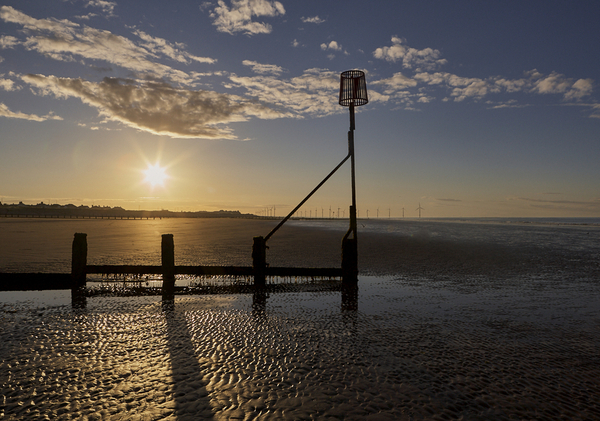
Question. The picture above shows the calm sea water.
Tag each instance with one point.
(386, 246)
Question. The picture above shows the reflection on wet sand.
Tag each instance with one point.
(392, 350)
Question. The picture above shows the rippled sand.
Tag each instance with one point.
(418, 349)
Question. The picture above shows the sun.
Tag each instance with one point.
(155, 175)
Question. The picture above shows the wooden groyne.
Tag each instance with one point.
(77, 279)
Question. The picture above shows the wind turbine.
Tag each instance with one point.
(420, 209)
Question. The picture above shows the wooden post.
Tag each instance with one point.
(259, 261)
(168, 265)
(78, 270)
(78, 261)
(349, 261)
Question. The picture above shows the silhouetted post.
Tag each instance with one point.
(78, 261)
(78, 270)
(259, 260)
(349, 261)
(168, 265)
(353, 93)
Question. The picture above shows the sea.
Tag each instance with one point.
(44, 245)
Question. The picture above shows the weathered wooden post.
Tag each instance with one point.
(349, 261)
(259, 261)
(78, 261)
(78, 270)
(168, 265)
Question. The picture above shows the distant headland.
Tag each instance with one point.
(43, 210)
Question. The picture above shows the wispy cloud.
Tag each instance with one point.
(314, 19)
(461, 88)
(313, 93)
(5, 112)
(108, 7)
(263, 68)
(238, 17)
(64, 40)
(155, 107)
(173, 51)
(396, 83)
(426, 59)
(561, 204)
(8, 41)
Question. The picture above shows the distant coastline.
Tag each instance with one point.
(43, 210)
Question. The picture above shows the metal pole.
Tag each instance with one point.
(352, 165)
(306, 198)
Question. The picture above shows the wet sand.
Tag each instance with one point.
(406, 352)
(448, 330)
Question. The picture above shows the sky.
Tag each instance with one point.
(476, 109)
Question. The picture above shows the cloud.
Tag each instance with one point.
(8, 41)
(263, 68)
(107, 7)
(156, 107)
(581, 88)
(427, 59)
(5, 112)
(462, 88)
(313, 93)
(314, 19)
(238, 18)
(561, 203)
(508, 104)
(173, 51)
(8, 85)
(65, 40)
(555, 83)
(295, 43)
(333, 45)
(396, 83)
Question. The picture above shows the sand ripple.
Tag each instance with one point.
(419, 353)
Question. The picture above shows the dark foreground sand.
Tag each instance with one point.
(408, 352)
(459, 332)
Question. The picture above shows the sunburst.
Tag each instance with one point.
(155, 175)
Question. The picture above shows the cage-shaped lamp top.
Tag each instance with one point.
(353, 88)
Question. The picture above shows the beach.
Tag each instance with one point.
(451, 321)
